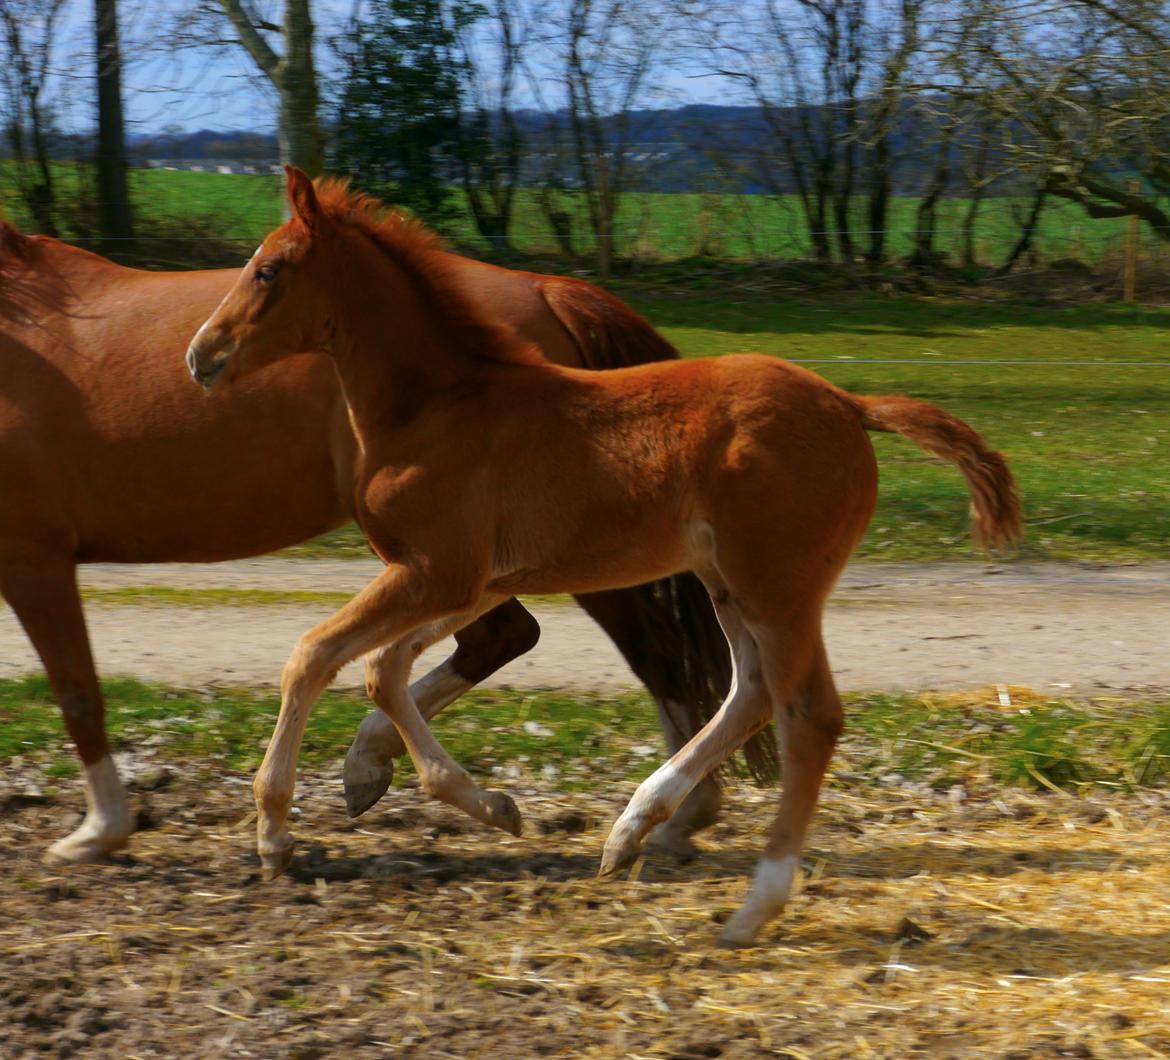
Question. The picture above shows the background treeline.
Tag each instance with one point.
(967, 136)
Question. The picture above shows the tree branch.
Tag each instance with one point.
(256, 46)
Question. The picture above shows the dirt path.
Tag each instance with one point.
(1054, 628)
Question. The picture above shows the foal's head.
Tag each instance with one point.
(279, 304)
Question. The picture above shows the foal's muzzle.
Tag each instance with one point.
(205, 377)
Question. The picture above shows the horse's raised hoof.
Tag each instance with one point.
(618, 855)
(367, 778)
(504, 814)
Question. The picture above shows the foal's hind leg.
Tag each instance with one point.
(651, 639)
(742, 715)
(809, 719)
(44, 596)
(491, 641)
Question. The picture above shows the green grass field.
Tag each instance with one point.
(236, 208)
(940, 741)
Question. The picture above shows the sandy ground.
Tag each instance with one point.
(1080, 629)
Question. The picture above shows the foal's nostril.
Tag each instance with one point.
(192, 365)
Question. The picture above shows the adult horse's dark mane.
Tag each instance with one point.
(415, 250)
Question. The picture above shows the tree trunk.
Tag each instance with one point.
(301, 143)
(879, 202)
(113, 193)
(294, 77)
(1026, 235)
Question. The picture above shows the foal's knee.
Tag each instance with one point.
(311, 661)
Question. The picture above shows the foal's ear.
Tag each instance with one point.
(302, 197)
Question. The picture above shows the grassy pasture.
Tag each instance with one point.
(650, 226)
(578, 742)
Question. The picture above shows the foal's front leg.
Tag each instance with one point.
(392, 605)
(441, 777)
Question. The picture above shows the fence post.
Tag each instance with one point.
(1131, 247)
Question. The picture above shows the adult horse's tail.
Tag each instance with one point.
(689, 657)
(995, 504)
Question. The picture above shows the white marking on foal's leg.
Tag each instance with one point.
(769, 893)
(108, 822)
(655, 800)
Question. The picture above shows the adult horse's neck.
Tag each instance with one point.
(394, 350)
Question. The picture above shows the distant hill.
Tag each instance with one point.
(699, 147)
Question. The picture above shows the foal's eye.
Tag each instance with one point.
(265, 274)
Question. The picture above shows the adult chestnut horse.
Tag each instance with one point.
(107, 453)
(755, 474)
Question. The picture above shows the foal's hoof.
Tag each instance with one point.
(273, 863)
(367, 778)
(618, 855)
(503, 813)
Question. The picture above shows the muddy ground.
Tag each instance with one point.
(1055, 628)
(935, 924)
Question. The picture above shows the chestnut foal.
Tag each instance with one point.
(487, 471)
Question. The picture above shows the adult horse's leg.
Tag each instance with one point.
(43, 593)
(646, 625)
(492, 641)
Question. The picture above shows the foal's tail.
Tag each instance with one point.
(996, 517)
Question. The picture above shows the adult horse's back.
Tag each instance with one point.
(107, 454)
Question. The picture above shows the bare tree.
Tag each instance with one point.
(897, 38)
(1081, 93)
(607, 53)
(29, 30)
(113, 190)
(292, 73)
(492, 145)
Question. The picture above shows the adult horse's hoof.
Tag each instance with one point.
(81, 848)
(367, 777)
(98, 836)
(504, 814)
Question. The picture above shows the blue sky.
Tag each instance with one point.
(196, 87)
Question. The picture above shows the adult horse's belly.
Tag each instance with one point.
(168, 473)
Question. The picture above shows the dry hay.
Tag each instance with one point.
(931, 924)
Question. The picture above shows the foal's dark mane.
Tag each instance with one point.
(416, 251)
(14, 244)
